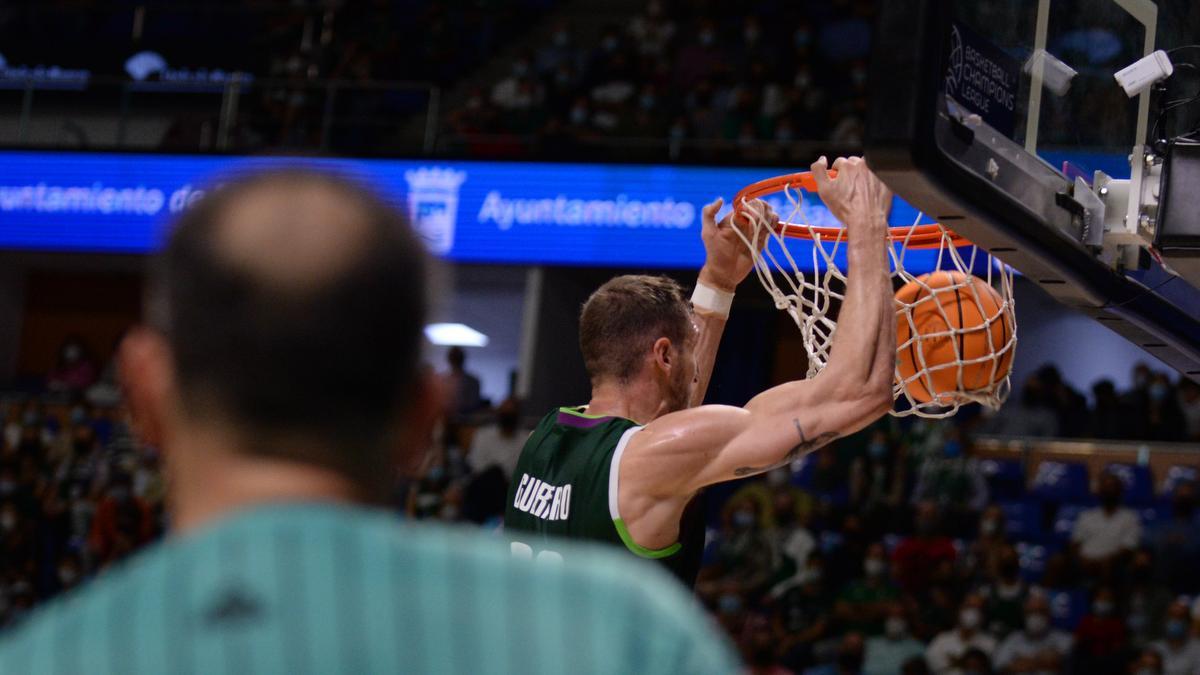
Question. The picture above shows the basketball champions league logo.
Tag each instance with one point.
(433, 204)
(954, 63)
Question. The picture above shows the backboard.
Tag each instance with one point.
(1003, 121)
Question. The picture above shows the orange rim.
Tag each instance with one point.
(912, 236)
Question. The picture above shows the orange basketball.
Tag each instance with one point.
(952, 316)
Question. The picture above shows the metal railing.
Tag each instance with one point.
(244, 114)
(236, 113)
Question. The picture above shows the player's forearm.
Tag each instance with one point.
(711, 328)
(854, 355)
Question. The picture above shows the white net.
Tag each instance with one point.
(956, 332)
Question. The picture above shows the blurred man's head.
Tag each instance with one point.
(1110, 491)
(508, 415)
(970, 615)
(992, 522)
(895, 627)
(850, 654)
(1008, 564)
(1178, 622)
(639, 330)
(875, 563)
(927, 519)
(1103, 601)
(1037, 614)
(457, 358)
(1150, 662)
(284, 318)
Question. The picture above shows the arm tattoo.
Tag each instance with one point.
(805, 446)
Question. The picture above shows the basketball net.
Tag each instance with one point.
(808, 298)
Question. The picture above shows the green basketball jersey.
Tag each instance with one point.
(565, 486)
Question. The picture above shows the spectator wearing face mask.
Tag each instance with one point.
(864, 603)
(652, 31)
(886, 654)
(1140, 376)
(1038, 648)
(123, 523)
(69, 573)
(916, 558)
(1189, 405)
(1105, 536)
(946, 652)
(1005, 594)
(1163, 417)
(1179, 650)
(789, 531)
(989, 546)
(1101, 637)
(1176, 542)
(74, 371)
(744, 557)
(784, 504)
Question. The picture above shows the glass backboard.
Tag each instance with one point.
(1004, 121)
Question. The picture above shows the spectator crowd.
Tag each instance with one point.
(751, 79)
(661, 79)
(896, 550)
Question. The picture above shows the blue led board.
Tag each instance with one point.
(468, 211)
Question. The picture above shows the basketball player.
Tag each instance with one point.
(623, 468)
(278, 374)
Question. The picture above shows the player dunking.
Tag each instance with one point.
(624, 468)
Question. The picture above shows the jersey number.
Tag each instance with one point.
(525, 552)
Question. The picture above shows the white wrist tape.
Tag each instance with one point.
(708, 299)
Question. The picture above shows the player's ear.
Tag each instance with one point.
(147, 378)
(662, 354)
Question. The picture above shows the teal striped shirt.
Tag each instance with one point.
(310, 588)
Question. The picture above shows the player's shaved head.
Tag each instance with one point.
(293, 303)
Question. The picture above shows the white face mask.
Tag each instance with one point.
(970, 618)
(1036, 624)
(873, 567)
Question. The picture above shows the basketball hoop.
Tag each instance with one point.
(943, 359)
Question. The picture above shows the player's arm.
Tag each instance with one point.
(726, 264)
(684, 451)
